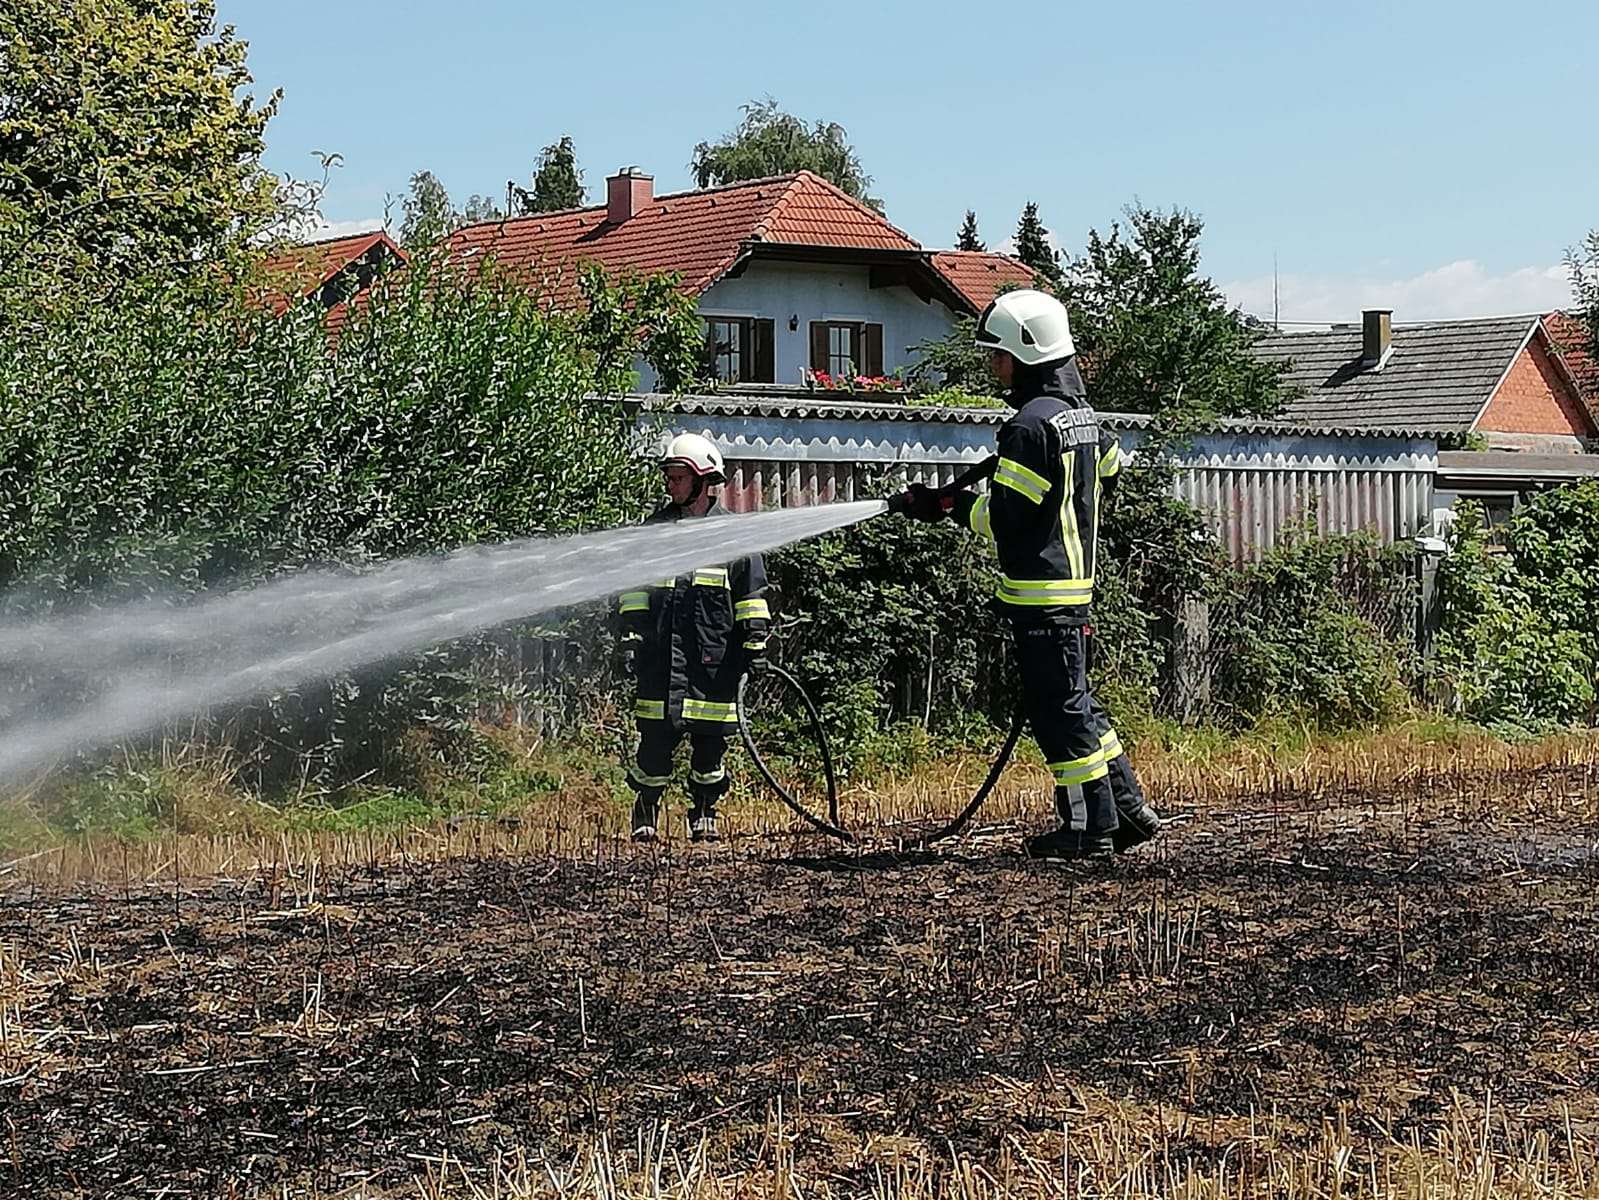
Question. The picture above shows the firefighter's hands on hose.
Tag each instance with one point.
(758, 663)
(921, 503)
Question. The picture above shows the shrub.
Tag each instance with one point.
(1317, 626)
(1516, 627)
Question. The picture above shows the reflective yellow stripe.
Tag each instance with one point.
(1111, 746)
(1079, 770)
(638, 777)
(1021, 480)
(1111, 461)
(1044, 592)
(711, 577)
(650, 710)
(1068, 516)
(981, 520)
(708, 710)
(715, 776)
(761, 645)
(749, 610)
(634, 602)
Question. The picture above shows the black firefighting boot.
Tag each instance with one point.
(646, 816)
(1136, 821)
(1069, 844)
(1085, 812)
(702, 825)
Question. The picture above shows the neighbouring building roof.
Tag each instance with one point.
(1570, 341)
(298, 271)
(979, 274)
(1439, 374)
(711, 233)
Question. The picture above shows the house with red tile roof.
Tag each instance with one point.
(790, 274)
(333, 269)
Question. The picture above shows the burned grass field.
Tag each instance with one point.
(1314, 985)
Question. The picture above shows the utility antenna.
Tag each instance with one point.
(1276, 307)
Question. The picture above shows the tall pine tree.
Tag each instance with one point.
(557, 182)
(1032, 245)
(967, 239)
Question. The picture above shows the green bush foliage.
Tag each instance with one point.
(1319, 626)
(1517, 623)
(173, 438)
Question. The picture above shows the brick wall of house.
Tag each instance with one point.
(1535, 399)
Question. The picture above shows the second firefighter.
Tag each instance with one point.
(687, 642)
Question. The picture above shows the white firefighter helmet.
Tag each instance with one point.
(699, 454)
(1031, 326)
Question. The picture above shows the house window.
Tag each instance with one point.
(724, 344)
(739, 349)
(842, 352)
(846, 348)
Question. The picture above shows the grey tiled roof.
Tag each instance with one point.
(1438, 375)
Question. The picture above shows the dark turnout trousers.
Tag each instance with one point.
(652, 773)
(1093, 778)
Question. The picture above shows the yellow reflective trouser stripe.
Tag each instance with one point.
(711, 576)
(981, 520)
(1110, 745)
(638, 777)
(650, 710)
(749, 610)
(1044, 592)
(1020, 480)
(1080, 770)
(633, 602)
(1111, 461)
(715, 776)
(1068, 517)
(708, 710)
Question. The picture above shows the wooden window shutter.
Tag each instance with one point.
(872, 355)
(764, 368)
(818, 345)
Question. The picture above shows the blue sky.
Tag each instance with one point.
(1436, 158)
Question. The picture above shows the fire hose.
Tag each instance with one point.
(832, 825)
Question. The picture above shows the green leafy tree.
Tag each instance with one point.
(429, 217)
(126, 139)
(1032, 245)
(769, 141)
(557, 182)
(1154, 334)
(1583, 262)
(967, 238)
(479, 209)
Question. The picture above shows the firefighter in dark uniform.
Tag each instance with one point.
(1042, 514)
(687, 641)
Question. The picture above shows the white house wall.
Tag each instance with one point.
(814, 292)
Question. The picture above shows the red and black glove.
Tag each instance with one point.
(922, 503)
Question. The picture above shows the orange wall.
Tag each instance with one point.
(1535, 399)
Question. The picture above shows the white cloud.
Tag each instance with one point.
(1458, 289)
(319, 229)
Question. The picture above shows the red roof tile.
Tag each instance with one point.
(977, 274)
(300, 270)
(698, 234)
(1570, 338)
